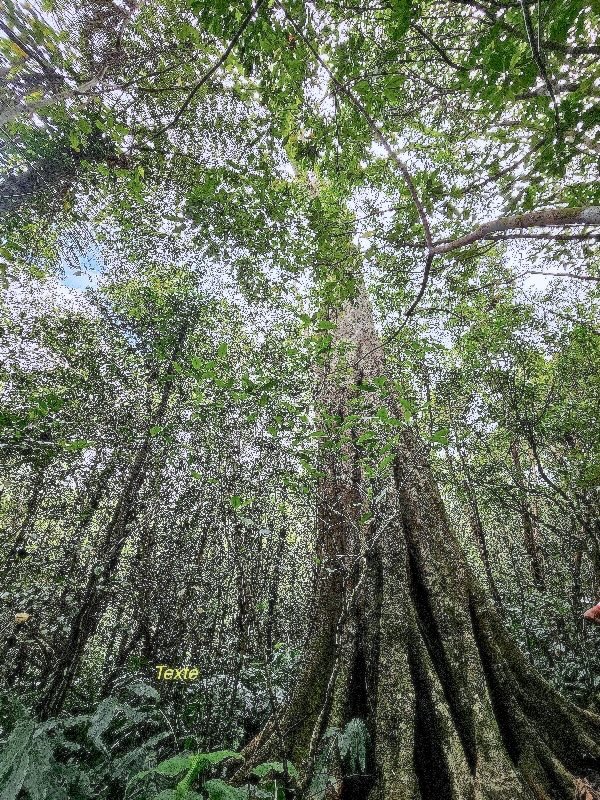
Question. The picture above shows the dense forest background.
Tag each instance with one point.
(300, 386)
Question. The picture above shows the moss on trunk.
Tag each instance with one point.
(453, 709)
(406, 640)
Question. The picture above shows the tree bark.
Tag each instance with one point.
(530, 532)
(405, 639)
(478, 529)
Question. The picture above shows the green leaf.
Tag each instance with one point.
(101, 720)
(274, 767)
(74, 141)
(78, 444)
(218, 756)
(237, 503)
(367, 436)
(12, 787)
(144, 690)
(174, 766)
(352, 744)
(441, 436)
(141, 775)
(219, 790)
(11, 758)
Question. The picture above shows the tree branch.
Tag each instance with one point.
(31, 52)
(551, 237)
(371, 123)
(547, 217)
(422, 288)
(207, 75)
(438, 49)
(539, 60)
(10, 114)
(548, 44)
(564, 275)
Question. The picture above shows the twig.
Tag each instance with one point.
(10, 114)
(207, 75)
(564, 275)
(383, 141)
(439, 50)
(421, 292)
(537, 57)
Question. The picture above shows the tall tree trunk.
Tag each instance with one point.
(576, 551)
(31, 510)
(405, 639)
(478, 529)
(530, 533)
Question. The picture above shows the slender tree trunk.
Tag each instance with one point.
(31, 510)
(530, 533)
(273, 593)
(576, 557)
(591, 533)
(478, 529)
